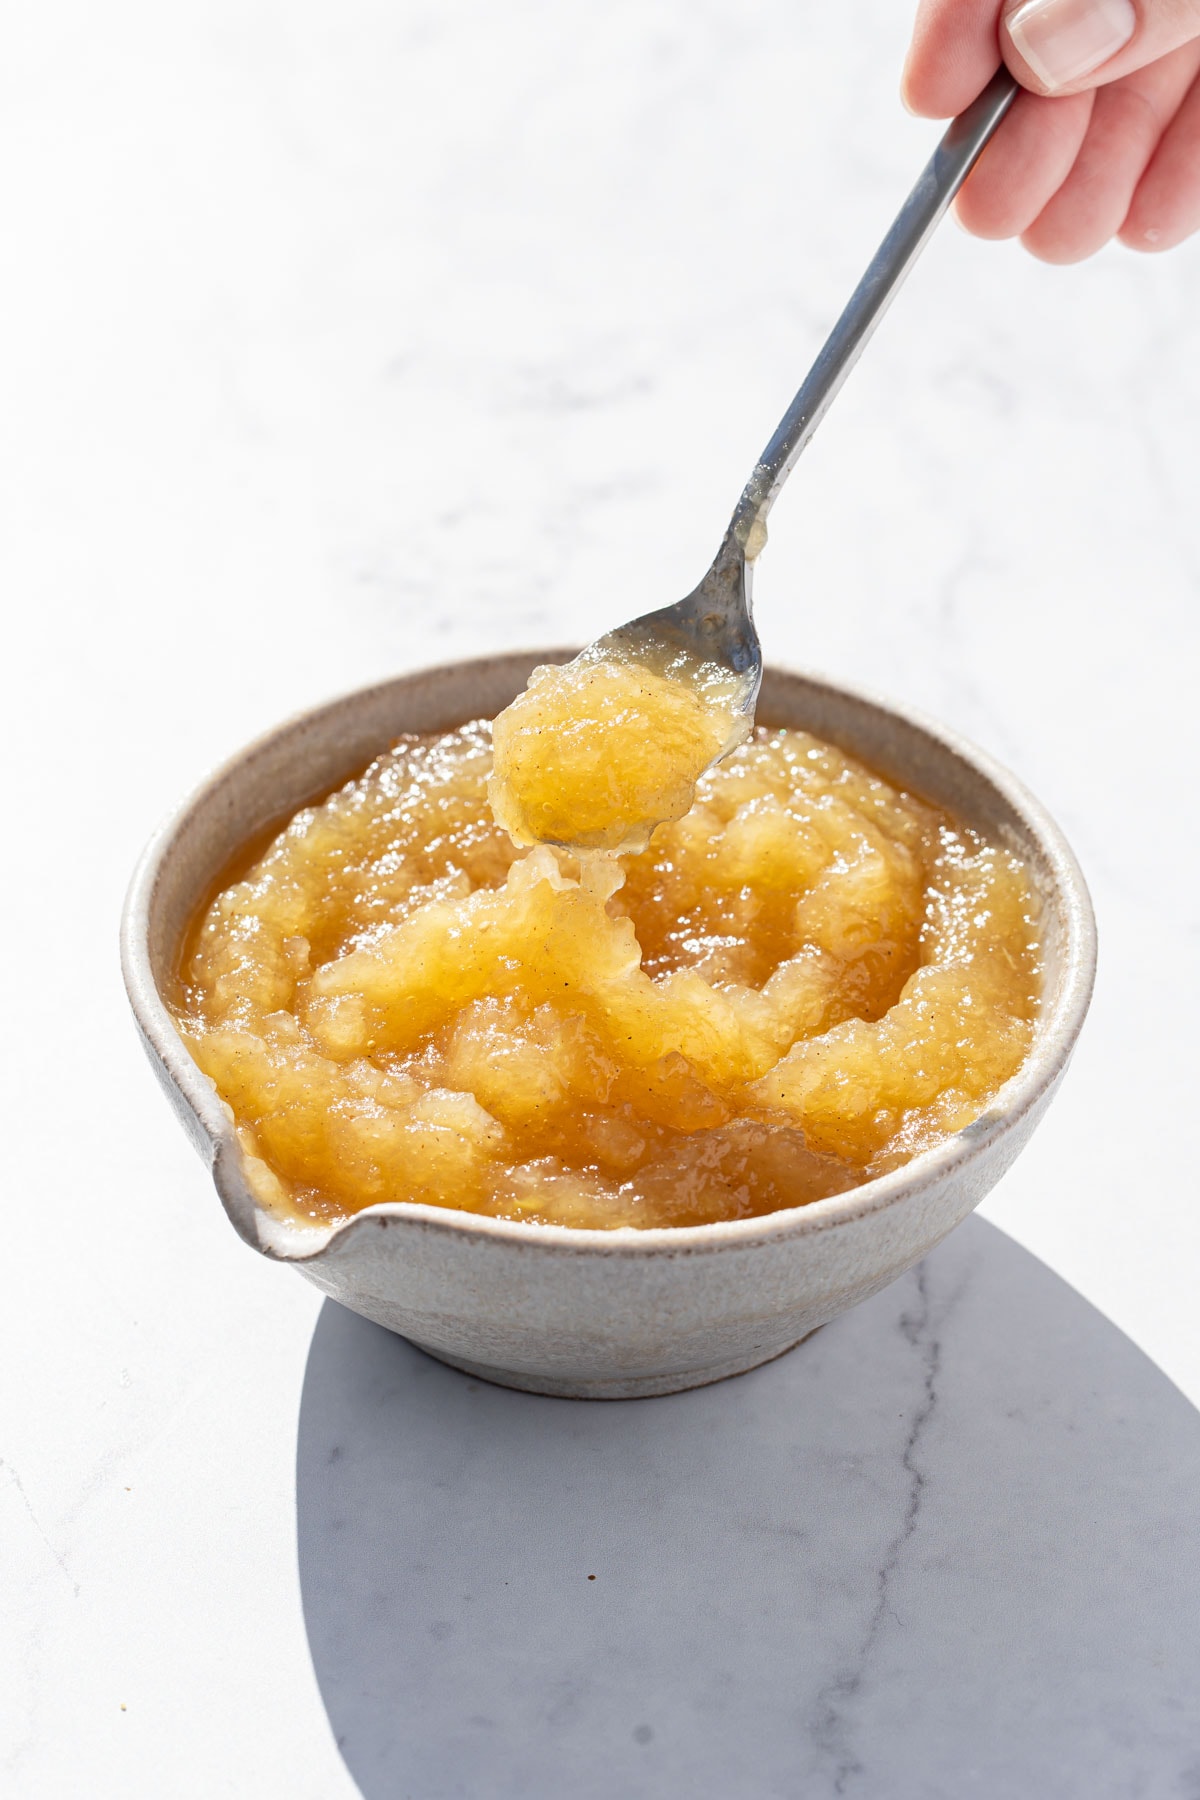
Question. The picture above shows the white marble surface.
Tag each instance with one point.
(340, 339)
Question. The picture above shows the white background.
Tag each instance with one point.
(345, 338)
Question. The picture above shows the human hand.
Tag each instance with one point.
(1106, 142)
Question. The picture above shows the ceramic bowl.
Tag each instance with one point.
(597, 1313)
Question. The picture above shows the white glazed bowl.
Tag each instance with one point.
(599, 1313)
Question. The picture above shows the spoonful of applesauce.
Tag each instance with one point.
(597, 752)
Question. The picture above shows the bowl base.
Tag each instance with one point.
(628, 1387)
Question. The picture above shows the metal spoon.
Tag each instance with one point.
(713, 624)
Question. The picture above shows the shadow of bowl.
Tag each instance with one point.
(950, 1546)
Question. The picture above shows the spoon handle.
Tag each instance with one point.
(941, 179)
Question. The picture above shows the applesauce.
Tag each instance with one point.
(801, 982)
(596, 752)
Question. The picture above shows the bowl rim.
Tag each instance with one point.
(301, 1243)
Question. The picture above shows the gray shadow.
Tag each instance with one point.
(949, 1547)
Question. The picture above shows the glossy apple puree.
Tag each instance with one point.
(803, 981)
(596, 752)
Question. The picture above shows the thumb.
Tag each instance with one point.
(1064, 46)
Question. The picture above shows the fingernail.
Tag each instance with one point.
(1063, 40)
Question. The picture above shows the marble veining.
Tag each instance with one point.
(18, 1485)
(833, 1728)
(346, 338)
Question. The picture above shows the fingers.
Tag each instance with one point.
(1105, 142)
(1127, 121)
(1064, 46)
(1166, 206)
(1024, 165)
(1051, 46)
(954, 54)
